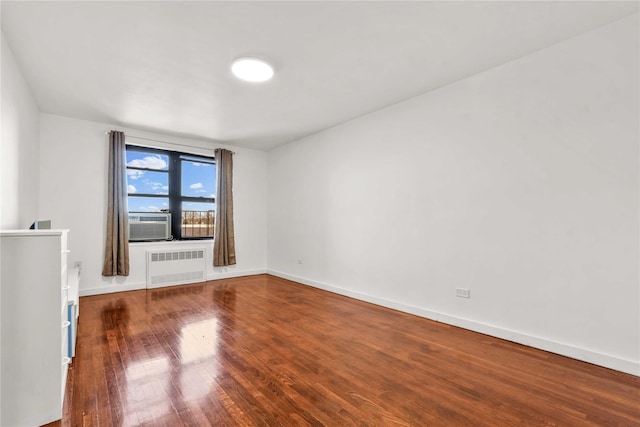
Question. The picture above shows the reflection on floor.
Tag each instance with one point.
(261, 350)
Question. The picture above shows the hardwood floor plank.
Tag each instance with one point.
(264, 351)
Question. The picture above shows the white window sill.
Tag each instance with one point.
(173, 242)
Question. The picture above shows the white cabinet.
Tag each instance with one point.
(34, 326)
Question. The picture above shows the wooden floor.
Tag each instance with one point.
(263, 351)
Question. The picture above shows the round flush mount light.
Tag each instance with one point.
(252, 69)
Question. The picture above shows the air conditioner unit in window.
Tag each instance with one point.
(149, 226)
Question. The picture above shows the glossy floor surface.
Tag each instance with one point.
(263, 351)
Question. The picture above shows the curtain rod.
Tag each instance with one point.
(163, 142)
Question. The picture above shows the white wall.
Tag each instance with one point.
(520, 184)
(19, 147)
(19, 121)
(73, 185)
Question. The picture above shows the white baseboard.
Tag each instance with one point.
(83, 292)
(228, 273)
(224, 273)
(624, 365)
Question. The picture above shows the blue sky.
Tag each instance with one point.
(198, 180)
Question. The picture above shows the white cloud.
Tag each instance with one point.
(149, 162)
(134, 174)
(158, 186)
(131, 188)
(149, 208)
(212, 195)
(196, 185)
(155, 186)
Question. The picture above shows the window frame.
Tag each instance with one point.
(174, 194)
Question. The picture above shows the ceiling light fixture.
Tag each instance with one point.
(252, 69)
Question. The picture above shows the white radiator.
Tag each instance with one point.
(177, 267)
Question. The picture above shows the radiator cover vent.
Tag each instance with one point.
(177, 267)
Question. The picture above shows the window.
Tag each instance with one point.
(179, 183)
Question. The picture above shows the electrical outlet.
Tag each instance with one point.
(299, 261)
(463, 293)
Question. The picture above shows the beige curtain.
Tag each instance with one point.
(224, 246)
(116, 253)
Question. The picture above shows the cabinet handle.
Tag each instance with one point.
(66, 288)
(66, 251)
(65, 323)
(66, 361)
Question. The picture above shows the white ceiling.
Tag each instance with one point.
(164, 66)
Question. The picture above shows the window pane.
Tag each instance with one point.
(148, 204)
(197, 219)
(140, 159)
(198, 179)
(147, 182)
